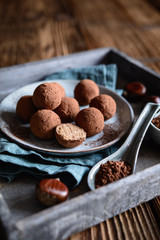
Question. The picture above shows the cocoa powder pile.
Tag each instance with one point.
(111, 171)
(156, 122)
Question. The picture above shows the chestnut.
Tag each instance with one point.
(51, 191)
(152, 98)
(134, 91)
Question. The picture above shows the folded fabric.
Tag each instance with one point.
(15, 159)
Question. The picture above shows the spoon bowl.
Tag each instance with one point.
(129, 150)
(154, 132)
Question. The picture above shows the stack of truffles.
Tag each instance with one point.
(52, 114)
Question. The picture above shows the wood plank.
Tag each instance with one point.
(38, 32)
(138, 223)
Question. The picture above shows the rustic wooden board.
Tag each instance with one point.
(80, 212)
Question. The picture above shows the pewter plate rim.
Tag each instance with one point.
(122, 121)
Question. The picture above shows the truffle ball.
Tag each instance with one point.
(61, 88)
(106, 104)
(85, 90)
(43, 123)
(91, 120)
(68, 109)
(70, 135)
(47, 96)
(25, 108)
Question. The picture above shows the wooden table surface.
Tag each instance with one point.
(34, 30)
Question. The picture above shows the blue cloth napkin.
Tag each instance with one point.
(15, 160)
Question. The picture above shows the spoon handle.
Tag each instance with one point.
(134, 140)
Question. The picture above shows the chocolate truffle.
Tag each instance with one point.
(85, 90)
(70, 135)
(105, 104)
(91, 120)
(61, 88)
(43, 123)
(47, 96)
(68, 109)
(25, 108)
(51, 191)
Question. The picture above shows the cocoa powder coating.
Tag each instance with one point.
(106, 104)
(68, 109)
(60, 87)
(47, 96)
(111, 172)
(85, 90)
(25, 108)
(43, 123)
(91, 120)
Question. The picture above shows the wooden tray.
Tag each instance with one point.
(22, 217)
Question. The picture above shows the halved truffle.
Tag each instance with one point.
(70, 135)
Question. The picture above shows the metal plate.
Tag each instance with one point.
(115, 128)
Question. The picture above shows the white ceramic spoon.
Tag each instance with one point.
(129, 150)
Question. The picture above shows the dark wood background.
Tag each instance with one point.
(34, 30)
